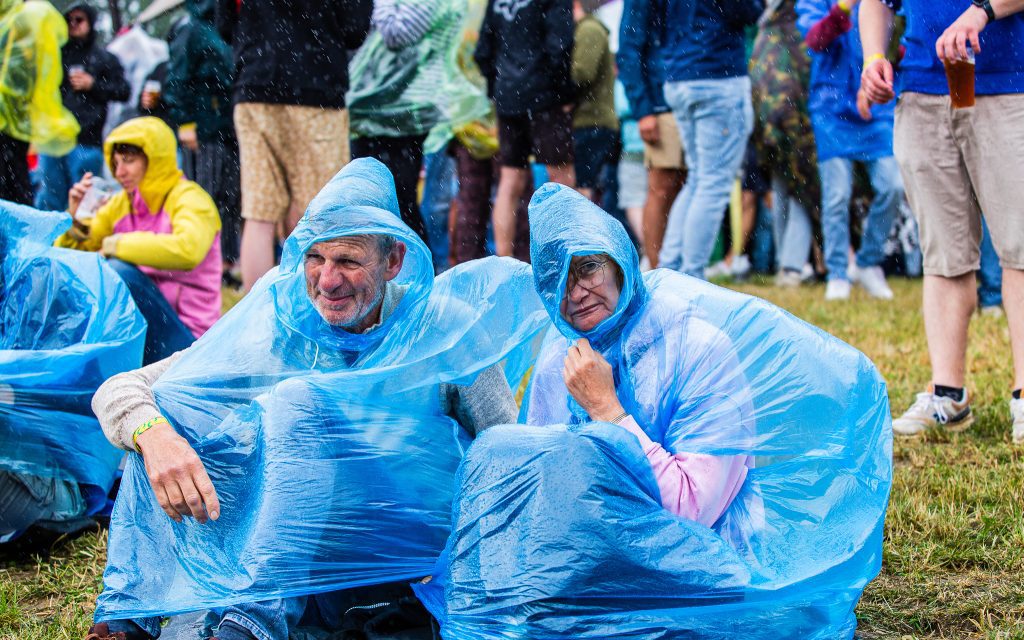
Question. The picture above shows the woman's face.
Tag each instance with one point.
(591, 291)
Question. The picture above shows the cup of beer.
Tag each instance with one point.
(960, 77)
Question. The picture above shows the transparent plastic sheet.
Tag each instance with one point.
(139, 53)
(331, 453)
(31, 110)
(558, 530)
(416, 90)
(67, 323)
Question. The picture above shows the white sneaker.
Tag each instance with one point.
(1017, 411)
(717, 270)
(788, 279)
(740, 267)
(873, 281)
(930, 411)
(837, 290)
(807, 273)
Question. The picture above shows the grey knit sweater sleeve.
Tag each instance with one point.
(485, 403)
(125, 401)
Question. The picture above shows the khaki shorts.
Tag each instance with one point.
(668, 153)
(288, 153)
(956, 164)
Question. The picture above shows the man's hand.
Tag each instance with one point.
(81, 81)
(77, 192)
(649, 131)
(149, 100)
(863, 105)
(588, 376)
(188, 139)
(179, 480)
(876, 81)
(952, 44)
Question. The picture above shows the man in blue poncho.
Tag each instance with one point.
(631, 504)
(66, 323)
(339, 394)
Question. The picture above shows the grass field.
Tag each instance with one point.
(954, 549)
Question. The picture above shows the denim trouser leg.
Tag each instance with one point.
(888, 187)
(267, 620)
(990, 276)
(53, 191)
(438, 193)
(715, 119)
(27, 499)
(792, 228)
(836, 191)
(166, 334)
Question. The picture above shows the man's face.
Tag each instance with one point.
(78, 25)
(345, 280)
(129, 170)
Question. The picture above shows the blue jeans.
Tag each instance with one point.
(439, 189)
(792, 228)
(267, 620)
(715, 119)
(836, 191)
(166, 334)
(990, 276)
(59, 174)
(27, 500)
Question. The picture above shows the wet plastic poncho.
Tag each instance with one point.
(31, 110)
(559, 531)
(418, 89)
(330, 451)
(67, 323)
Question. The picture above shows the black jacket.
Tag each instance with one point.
(525, 52)
(109, 85)
(293, 51)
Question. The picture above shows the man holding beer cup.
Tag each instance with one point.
(959, 136)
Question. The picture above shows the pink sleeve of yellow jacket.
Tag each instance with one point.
(194, 223)
(695, 486)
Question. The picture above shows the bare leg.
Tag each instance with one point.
(256, 254)
(635, 217)
(294, 215)
(748, 217)
(948, 305)
(510, 190)
(1013, 303)
(562, 174)
(663, 186)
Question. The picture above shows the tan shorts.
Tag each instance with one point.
(956, 164)
(288, 153)
(668, 153)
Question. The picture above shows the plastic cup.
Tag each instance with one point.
(94, 198)
(151, 86)
(960, 77)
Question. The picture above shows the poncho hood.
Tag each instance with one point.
(157, 141)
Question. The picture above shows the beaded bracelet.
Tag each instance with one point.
(619, 418)
(144, 427)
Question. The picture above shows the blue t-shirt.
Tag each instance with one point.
(1000, 65)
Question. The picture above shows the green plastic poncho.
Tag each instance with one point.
(418, 89)
(31, 35)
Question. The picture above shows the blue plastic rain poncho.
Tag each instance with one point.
(559, 529)
(67, 323)
(331, 455)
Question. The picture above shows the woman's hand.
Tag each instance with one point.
(77, 192)
(588, 376)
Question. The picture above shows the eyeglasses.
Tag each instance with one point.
(77, 20)
(589, 274)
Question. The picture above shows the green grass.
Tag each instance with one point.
(954, 548)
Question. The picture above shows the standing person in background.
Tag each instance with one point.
(707, 88)
(780, 73)
(407, 93)
(957, 163)
(291, 75)
(847, 130)
(31, 110)
(197, 90)
(525, 53)
(93, 78)
(641, 35)
(595, 125)
(632, 174)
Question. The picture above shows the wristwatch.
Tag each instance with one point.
(987, 7)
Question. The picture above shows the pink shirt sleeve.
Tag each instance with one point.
(695, 486)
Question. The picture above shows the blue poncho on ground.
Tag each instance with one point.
(558, 529)
(67, 323)
(331, 455)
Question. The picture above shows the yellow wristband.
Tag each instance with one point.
(870, 60)
(144, 427)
